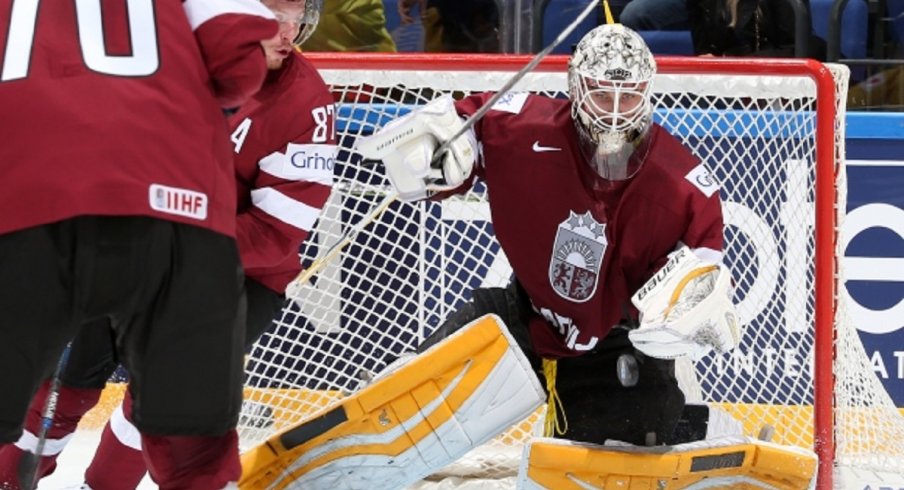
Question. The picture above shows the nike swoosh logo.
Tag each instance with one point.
(538, 148)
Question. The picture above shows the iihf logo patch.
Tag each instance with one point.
(576, 257)
(511, 102)
(178, 201)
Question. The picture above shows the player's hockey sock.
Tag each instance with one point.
(118, 462)
(72, 404)
(195, 462)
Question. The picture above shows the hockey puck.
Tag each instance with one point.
(627, 370)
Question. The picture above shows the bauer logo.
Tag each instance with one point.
(180, 202)
(313, 163)
(662, 274)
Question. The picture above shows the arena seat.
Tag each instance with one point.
(854, 26)
(669, 42)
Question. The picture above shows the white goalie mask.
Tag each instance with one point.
(610, 78)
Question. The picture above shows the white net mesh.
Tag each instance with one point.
(405, 272)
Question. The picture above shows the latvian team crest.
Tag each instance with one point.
(576, 257)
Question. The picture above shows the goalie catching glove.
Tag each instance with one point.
(686, 310)
(407, 145)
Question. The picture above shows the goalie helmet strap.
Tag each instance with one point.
(553, 425)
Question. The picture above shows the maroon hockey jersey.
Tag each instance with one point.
(109, 110)
(285, 144)
(580, 245)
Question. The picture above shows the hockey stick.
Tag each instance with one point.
(318, 264)
(479, 113)
(30, 477)
(321, 261)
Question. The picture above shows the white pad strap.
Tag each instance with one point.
(686, 309)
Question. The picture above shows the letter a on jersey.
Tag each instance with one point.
(576, 256)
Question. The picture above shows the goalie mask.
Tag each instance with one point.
(610, 78)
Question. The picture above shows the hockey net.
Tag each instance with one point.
(772, 134)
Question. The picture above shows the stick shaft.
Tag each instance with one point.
(321, 261)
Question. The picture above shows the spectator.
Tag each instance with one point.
(746, 28)
(456, 26)
(654, 15)
(351, 25)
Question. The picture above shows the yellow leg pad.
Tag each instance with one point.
(735, 462)
(407, 424)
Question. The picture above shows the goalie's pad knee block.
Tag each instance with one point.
(408, 424)
(735, 462)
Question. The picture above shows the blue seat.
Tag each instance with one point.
(896, 12)
(560, 13)
(669, 42)
(854, 27)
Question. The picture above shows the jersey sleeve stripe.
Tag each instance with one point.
(200, 11)
(284, 208)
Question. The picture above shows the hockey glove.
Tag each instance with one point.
(686, 310)
(407, 145)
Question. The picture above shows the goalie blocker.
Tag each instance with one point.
(406, 146)
(727, 462)
(410, 422)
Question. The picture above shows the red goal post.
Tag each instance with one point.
(771, 131)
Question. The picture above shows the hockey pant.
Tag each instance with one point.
(118, 463)
(596, 406)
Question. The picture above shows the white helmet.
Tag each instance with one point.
(609, 82)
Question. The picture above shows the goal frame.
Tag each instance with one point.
(826, 236)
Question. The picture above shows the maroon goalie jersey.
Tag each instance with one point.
(115, 109)
(285, 144)
(581, 246)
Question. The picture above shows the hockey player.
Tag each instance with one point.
(614, 232)
(118, 202)
(590, 200)
(284, 144)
